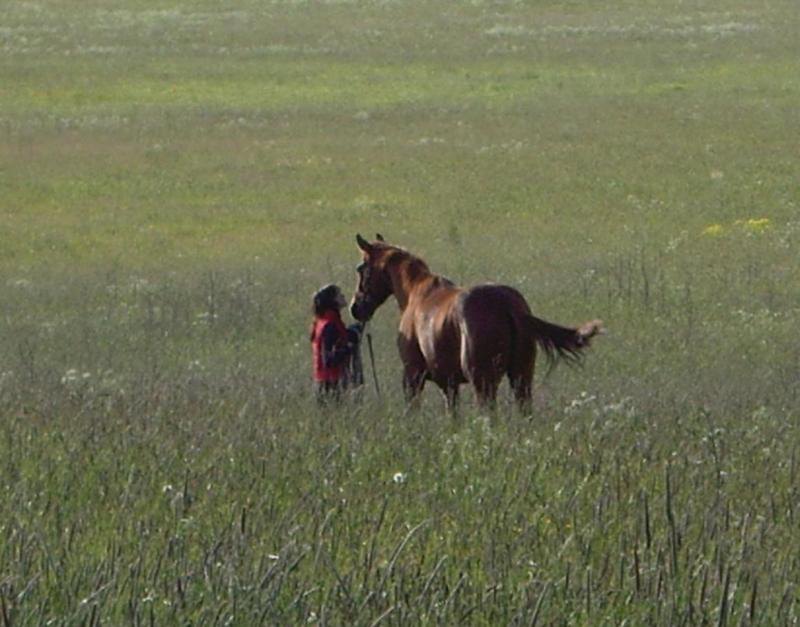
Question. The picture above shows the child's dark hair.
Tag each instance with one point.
(324, 299)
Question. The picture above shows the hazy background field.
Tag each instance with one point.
(175, 182)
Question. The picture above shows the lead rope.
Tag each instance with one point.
(372, 362)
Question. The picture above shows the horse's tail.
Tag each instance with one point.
(563, 342)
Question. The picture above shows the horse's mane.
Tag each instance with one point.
(416, 268)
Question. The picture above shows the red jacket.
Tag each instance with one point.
(326, 371)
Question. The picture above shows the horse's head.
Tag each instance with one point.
(374, 281)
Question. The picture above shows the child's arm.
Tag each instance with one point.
(334, 351)
(354, 332)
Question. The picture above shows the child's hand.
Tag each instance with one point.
(354, 332)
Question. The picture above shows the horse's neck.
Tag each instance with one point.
(407, 277)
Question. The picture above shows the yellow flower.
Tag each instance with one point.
(713, 230)
(756, 225)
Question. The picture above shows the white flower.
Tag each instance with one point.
(70, 376)
(399, 477)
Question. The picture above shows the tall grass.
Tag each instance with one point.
(175, 183)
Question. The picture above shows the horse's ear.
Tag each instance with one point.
(379, 237)
(363, 244)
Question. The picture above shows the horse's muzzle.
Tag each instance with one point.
(360, 310)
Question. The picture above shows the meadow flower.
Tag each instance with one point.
(399, 477)
(575, 404)
(756, 225)
(713, 230)
(71, 376)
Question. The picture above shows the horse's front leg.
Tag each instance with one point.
(451, 399)
(413, 382)
(415, 370)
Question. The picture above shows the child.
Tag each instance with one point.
(334, 347)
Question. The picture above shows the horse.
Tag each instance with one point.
(452, 335)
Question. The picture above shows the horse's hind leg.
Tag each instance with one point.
(522, 385)
(485, 379)
(486, 384)
(520, 376)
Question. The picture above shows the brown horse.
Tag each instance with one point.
(451, 335)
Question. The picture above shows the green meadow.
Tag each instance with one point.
(177, 180)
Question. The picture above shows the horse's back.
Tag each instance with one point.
(491, 303)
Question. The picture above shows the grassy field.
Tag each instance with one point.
(175, 182)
